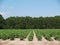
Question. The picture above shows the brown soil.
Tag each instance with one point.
(26, 42)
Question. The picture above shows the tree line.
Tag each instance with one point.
(30, 22)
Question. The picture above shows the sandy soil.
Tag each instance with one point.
(26, 42)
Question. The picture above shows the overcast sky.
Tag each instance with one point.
(33, 8)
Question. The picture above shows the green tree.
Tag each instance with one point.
(1, 22)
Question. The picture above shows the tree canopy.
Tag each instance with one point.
(30, 22)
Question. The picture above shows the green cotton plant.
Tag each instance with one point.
(39, 36)
(48, 37)
(22, 34)
(57, 37)
(30, 38)
(48, 33)
(3, 36)
(12, 34)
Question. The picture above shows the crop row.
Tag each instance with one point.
(11, 34)
(30, 38)
(22, 34)
(48, 33)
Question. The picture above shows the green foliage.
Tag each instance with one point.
(48, 33)
(1, 22)
(30, 38)
(30, 22)
(57, 37)
(39, 36)
(22, 34)
(11, 34)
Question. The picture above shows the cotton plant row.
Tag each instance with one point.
(48, 34)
